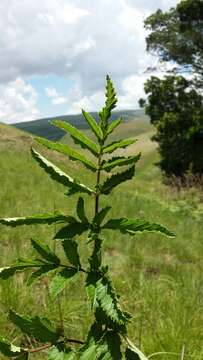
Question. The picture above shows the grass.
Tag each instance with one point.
(159, 278)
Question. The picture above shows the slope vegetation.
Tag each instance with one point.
(43, 127)
(159, 279)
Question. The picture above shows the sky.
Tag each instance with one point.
(55, 55)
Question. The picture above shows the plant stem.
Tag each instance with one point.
(60, 314)
(182, 352)
(58, 296)
(44, 347)
(163, 353)
(97, 183)
(47, 346)
(96, 254)
(74, 268)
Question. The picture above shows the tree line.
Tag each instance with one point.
(175, 103)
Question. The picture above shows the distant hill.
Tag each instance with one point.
(12, 138)
(42, 127)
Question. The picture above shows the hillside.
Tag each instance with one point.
(10, 138)
(159, 278)
(42, 127)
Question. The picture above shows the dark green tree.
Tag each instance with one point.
(175, 104)
(176, 110)
(177, 35)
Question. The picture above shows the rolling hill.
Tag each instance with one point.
(42, 127)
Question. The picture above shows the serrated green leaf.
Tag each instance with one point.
(93, 125)
(99, 217)
(132, 226)
(111, 99)
(78, 136)
(131, 355)
(40, 329)
(110, 104)
(108, 301)
(71, 230)
(59, 176)
(90, 353)
(47, 218)
(61, 280)
(67, 150)
(90, 286)
(114, 346)
(113, 125)
(93, 346)
(110, 164)
(94, 335)
(93, 234)
(7, 272)
(95, 258)
(10, 350)
(119, 144)
(104, 319)
(103, 352)
(116, 179)
(81, 210)
(61, 352)
(71, 250)
(45, 251)
(107, 348)
(43, 270)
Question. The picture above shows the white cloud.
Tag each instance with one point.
(40, 37)
(77, 39)
(133, 91)
(152, 5)
(75, 100)
(51, 92)
(92, 37)
(18, 102)
(132, 20)
(69, 13)
(89, 103)
(56, 98)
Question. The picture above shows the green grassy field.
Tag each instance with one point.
(159, 279)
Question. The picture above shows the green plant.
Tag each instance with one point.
(175, 36)
(176, 110)
(109, 328)
(175, 103)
